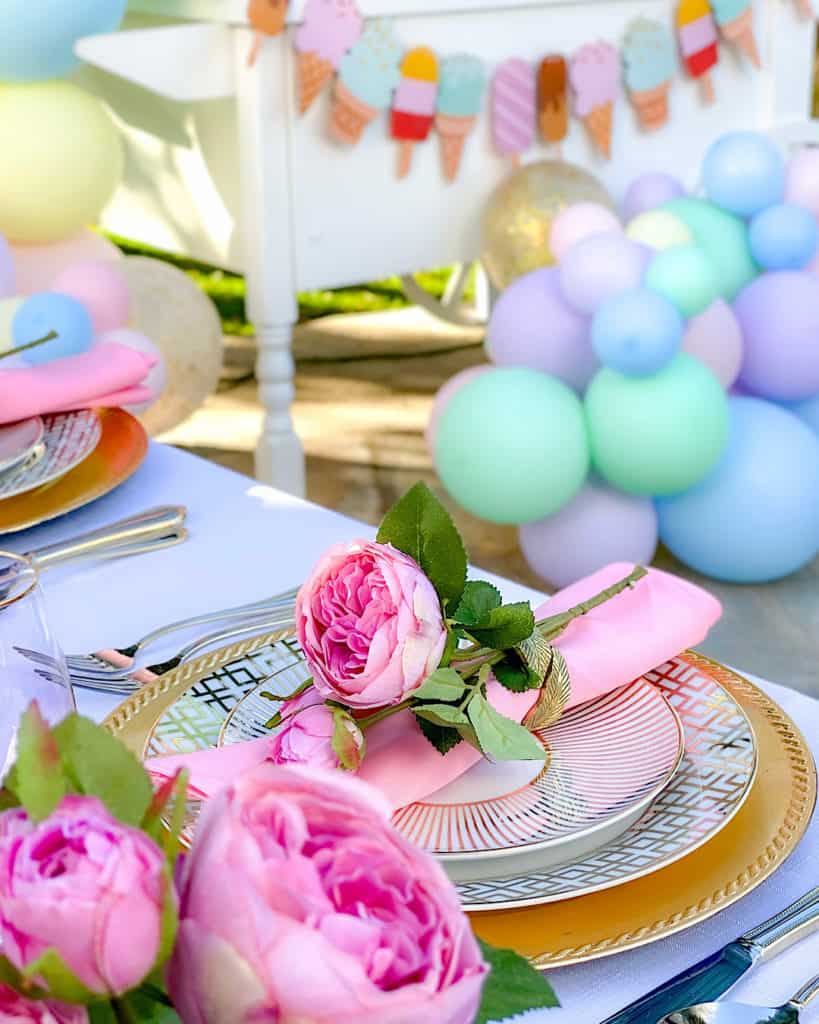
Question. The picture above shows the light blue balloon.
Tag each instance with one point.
(744, 173)
(755, 517)
(37, 37)
(807, 409)
(51, 311)
(637, 333)
(783, 237)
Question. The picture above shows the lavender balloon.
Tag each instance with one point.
(779, 316)
(715, 338)
(650, 191)
(533, 326)
(600, 267)
(599, 525)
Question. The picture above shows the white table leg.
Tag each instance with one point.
(279, 454)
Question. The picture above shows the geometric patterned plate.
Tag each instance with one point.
(69, 437)
(18, 441)
(606, 761)
(710, 786)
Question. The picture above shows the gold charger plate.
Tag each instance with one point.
(747, 851)
(119, 453)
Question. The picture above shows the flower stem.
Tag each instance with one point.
(123, 1012)
(379, 716)
(29, 344)
(552, 626)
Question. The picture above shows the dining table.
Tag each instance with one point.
(247, 541)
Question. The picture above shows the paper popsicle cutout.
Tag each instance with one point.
(462, 86)
(367, 76)
(267, 18)
(553, 99)
(514, 109)
(330, 28)
(594, 73)
(413, 105)
(736, 24)
(650, 62)
(698, 42)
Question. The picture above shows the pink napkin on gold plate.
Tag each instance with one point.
(107, 375)
(613, 644)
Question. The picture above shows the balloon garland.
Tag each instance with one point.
(675, 354)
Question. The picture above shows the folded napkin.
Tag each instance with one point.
(107, 375)
(613, 644)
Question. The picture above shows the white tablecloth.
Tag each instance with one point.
(248, 541)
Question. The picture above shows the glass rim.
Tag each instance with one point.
(28, 563)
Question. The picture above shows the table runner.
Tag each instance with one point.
(248, 540)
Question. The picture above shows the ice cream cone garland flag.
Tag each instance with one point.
(736, 25)
(649, 60)
(413, 108)
(460, 95)
(553, 99)
(330, 28)
(266, 18)
(594, 73)
(698, 42)
(366, 78)
(514, 111)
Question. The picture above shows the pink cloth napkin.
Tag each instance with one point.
(621, 640)
(106, 375)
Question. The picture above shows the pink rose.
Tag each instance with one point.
(369, 622)
(329, 916)
(306, 734)
(87, 885)
(15, 1009)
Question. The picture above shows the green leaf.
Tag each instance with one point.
(501, 738)
(169, 921)
(152, 822)
(151, 1011)
(441, 714)
(478, 600)
(506, 626)
(38, 778)
(443, 684)
(420, 526)
(513, 986)
(514, 675)
(102, 1013)
(59, 981)
(8, 800)
(170, 837)
(105, 768)
(443, 739)
(348, 740)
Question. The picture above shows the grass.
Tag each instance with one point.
(227, 290)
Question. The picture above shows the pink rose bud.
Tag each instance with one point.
(15, 1009)
(369, 622)
(87, 885)
(306, 735)
(330, 915)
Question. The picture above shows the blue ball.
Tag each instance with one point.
(37, 38)
(783, 237)
(807, 409)
(744, 173)
(755, 517)
(637, 333)
(51, 311)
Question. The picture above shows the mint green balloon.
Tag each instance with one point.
(685, 276)
(724, 238)
(657, 435)
(511, 445)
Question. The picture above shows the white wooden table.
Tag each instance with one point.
(221, 168)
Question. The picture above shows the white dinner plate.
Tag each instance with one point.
(68, 438)
(18, 441)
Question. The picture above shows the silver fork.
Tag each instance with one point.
(126, 683)
(119, 661)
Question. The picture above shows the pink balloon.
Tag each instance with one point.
(715, 338)
(599, 525)
(157, 377)
(802, 182)
(443, 397)
(36, 266)
(581, 220)
(101, 287)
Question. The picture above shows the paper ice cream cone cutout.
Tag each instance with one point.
(514, 108)
(453, 132)
(553, 99)
(314, 73)
(652, 107)
(413, 105)
(805, 8)
(649, 61)
(350, 116)
(740, 31)
(698, 38)
(598, 124)
(267, 17)
(460, 93)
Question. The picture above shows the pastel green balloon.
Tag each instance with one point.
(657, 435)
(724, 238)
(658, 229)
(685, 276)
(511, 445)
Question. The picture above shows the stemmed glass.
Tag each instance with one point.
(23, 626)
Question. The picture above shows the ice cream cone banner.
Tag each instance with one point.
(805, 8)
(707, 88)
(350, 116)
(367, 77)
(598, 124)
(314, 73)
(740, 31)
(413, 105)
(594, 75)
(652, 107)
(453, 132)
(267, 18)
(461, 89)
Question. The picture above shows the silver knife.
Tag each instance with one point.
(714, 976)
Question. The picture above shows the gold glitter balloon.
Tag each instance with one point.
(518, 218)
